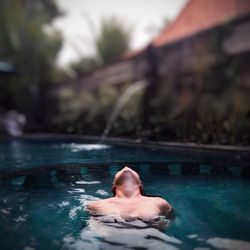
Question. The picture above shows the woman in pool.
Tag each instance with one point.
(129, 201)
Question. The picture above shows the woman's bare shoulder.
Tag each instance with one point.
(98, 203)
(160, 202)
(164, 206)
(154, 198)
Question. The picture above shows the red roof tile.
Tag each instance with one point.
(132, 53)
(199, 15)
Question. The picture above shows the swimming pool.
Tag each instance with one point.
(45, 186)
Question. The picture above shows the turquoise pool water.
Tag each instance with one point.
(47, 211)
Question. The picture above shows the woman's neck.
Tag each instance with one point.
(121, 195)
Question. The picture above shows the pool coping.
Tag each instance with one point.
(126, 141)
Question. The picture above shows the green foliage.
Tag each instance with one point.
(85, 65)
(219, 113)
(26, 44)
(223, 119)
(113, 40)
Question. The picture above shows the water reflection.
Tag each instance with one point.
(76, 147)
(114, 232)
(204, 206)
(108, 233)
(229, 244)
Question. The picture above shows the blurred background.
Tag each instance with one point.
(150, 70)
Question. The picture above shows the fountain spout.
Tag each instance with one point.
(123, 99)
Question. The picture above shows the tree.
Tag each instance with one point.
(113, 40)
(25, 43)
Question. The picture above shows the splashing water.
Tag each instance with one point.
(136, 87)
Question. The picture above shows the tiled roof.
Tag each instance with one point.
(199, 15)
(133, 53)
